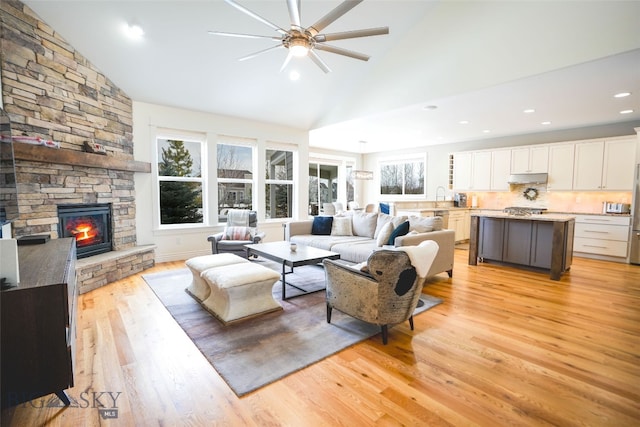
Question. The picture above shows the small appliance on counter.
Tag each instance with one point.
(460, 200)
(619, 208)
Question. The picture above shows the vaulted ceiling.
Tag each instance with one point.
(442, 63)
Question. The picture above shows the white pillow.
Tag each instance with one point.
(363, 266)
(341, 226)
(384, 234)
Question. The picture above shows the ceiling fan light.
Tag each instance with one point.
(299, 47)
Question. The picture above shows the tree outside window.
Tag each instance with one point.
(279, 184)
(180, 182)
(402, 178)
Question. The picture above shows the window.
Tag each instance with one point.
(323, 186)
(278, 184)
(402, 178)
(235, 178)
(180, 181)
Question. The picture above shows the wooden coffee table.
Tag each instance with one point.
(282, 253)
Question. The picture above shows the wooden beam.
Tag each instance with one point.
(39, 153)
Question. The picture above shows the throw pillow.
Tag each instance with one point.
(322, 225)
(364, 224)
(424, 224)
(341, 226)
(400, 230)
(384, 234)
(238, 233)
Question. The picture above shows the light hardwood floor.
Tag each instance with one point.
(507, 347)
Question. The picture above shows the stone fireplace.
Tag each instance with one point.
(52, 92)
(89, 224)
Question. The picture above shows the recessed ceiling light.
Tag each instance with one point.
(430, 107)
(626, 111)
(546, 123)
(464, 122)
(486, 131)
(529, 111)
(622, 94)
(294, 75)
(133, 31)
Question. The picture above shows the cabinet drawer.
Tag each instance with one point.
(603, 219)
(605, 232)
(600, 247)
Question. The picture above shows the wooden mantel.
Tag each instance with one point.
(39, 153)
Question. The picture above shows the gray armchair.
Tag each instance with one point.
(227, 241)
(385, 295)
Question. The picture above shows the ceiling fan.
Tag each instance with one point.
(302, 41)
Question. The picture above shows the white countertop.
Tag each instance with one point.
(551, 217)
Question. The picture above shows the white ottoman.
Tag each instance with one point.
(240, 290)
(198, 288)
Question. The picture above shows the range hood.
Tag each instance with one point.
(528, 178)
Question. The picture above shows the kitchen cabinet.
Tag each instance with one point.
(500, 169)
(459, 221)
(38, 324)
(530, 159)
(462, 171)
(542, 241)
(604, 165)
(602, 235)
(561, 160)
(480, 170)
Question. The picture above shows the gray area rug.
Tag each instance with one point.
(264, 349)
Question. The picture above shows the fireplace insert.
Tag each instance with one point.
(90, 224)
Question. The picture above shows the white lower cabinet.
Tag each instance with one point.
(604, 235)
(460, 222)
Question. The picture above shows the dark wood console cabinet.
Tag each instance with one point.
(38, 324)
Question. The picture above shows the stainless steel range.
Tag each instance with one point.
(523, 211)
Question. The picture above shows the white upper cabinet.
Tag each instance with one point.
(500, 169)
(619, 164)
(481, 170)
(462, 171)
(604, 165)
(561, 166)
(530, 159)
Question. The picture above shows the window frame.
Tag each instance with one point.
(295, 167)
(402, 161)
(200, 138)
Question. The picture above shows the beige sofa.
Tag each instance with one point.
(357, 240)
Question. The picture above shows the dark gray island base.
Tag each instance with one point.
(540, 241)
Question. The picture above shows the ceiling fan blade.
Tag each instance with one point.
(319, 62)
(248, 36)
(321, 38)
(336, 13)
(340, 51)
(294, 12)
(286, 61)
(255, 16)
(253, 55)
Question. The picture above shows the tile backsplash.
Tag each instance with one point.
(558, 201)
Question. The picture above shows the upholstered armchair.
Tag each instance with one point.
(386, 292)
(241, 229)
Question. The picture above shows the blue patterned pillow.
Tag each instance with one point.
(322, 225)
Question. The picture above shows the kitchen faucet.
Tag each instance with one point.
(443, 193)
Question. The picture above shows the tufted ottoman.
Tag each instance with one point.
(240, 290)
(199, 289)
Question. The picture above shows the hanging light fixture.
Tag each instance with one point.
(362, 174)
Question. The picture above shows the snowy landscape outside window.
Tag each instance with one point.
(402, 178)
(180, 181)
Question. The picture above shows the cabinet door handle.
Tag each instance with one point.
(595, 231)
(596, 246)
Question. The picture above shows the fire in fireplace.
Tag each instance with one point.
(90, 224)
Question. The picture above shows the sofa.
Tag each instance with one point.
(356, 235)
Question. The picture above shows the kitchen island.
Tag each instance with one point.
(543, 241)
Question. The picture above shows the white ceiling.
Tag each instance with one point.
(480, 61)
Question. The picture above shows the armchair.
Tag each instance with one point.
(386, 294)
(241, 229)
